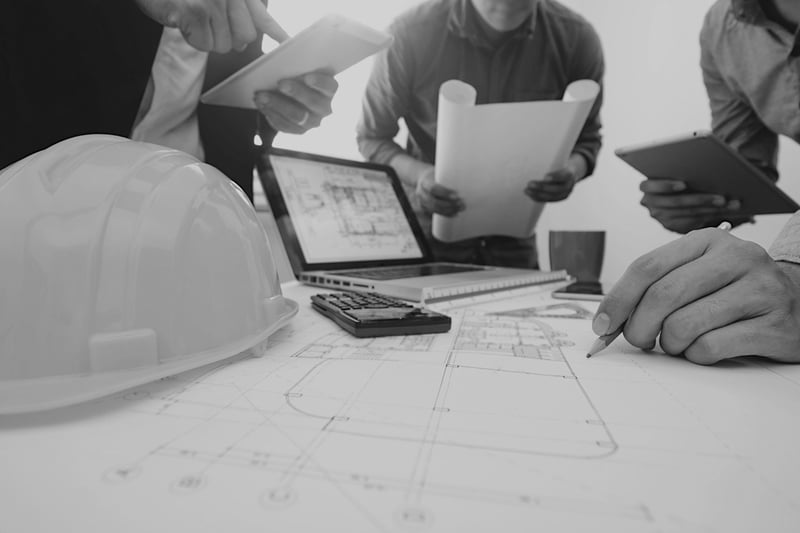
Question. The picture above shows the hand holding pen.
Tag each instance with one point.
(601, 320)
(709, 296)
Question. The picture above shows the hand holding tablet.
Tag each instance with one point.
(696, 181)
(328, 46)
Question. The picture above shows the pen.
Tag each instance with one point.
(604, 340)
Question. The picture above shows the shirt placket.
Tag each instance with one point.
(501, 71)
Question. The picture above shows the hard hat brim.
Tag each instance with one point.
(26, 396)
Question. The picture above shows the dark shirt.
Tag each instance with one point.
(441, 40)
(752, 74)
(74, 68)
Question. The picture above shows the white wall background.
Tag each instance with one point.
(653, 90)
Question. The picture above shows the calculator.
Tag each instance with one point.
(374, 315)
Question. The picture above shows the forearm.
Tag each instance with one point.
(378, 149)
(579, 166)
(409, 169)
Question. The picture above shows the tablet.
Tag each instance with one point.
(706, 164)
(331, 45)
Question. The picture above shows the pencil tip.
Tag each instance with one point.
(596, 347)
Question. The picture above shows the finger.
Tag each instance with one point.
(165, 13)
(561, 176)
(756, 336)
(674, 201)
(442, 207)
(550, 188)
(441, 192)
(287, 108)
(195, 27)
(666, 298)
(539, 196)
(626, 294)
(686, 224)
(322, 82)
(280, 123)
(698, 213)
(243, 31)
(309, 98)
(716, 310)
(220, 27)
(264, 21)
(662, 186)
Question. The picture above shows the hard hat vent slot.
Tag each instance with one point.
(123, 350)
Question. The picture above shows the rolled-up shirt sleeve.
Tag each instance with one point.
(787, 246)
(385, 101)
(589, 63)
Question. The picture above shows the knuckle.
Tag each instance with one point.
(638, 338)
(646, 266)
(677, 332)
(665, 291)
(703, 352)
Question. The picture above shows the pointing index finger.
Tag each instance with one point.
(265, 23)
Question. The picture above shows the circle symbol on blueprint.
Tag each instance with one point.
(414, 518)
(278, 498)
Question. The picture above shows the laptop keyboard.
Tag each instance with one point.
(407, 271)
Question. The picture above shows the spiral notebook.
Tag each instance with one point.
(350, 227)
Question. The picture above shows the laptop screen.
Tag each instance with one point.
(345, 212)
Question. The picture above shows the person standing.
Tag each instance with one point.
(510, 51)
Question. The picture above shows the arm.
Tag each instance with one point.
(587, 63)
(735, 122)
(385, 102)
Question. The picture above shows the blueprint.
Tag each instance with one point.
(500, 424)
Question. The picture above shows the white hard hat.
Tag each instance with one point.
(123, 262)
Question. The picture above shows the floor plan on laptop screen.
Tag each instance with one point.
(343, 213)
(502, 424)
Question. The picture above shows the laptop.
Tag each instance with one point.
(348, 225)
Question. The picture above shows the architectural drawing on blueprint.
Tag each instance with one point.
(410, 408)
(500, 424)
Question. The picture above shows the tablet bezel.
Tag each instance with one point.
(708, 165)
(331, 44)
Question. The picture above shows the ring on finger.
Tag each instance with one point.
(303, 121)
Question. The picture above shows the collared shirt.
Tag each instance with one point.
(751, 72)
(787, 246)
(441, 40)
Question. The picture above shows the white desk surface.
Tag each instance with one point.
(500, 425)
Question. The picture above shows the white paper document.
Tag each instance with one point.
(502, 424)
(488, 153)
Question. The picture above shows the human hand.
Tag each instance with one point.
(298, 104)
(681, 211)
(436, 198)
(555, 186)
(711, 296)
(215, 25)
